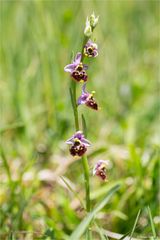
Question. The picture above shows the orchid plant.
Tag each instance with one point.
(78, 142)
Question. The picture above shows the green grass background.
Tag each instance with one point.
(37, 41)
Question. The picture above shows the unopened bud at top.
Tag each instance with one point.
(93, 20)
(88, 29)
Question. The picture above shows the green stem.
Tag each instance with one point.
(84, 158)
(74, 104)
(75, 107)
(87, 189)
(86, 180)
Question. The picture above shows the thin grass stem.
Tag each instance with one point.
(135, 223)
(152, 223)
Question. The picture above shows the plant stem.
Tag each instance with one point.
(75, 110)
(84, 157)
(74, 104)
(86, 180)
(87, 189)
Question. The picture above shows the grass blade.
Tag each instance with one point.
(86, 221)
(152, 223)
(114, 235)
(100, 231)
(103, 189)
(135, 223)
(72, 190)
(124, 236)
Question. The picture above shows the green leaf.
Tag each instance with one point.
(100, 192)
(152, 223)
(86, 221)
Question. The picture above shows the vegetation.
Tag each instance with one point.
(41, 185)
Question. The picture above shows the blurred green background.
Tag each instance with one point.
(37, 41)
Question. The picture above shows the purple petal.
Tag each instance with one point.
(95, 53)
(82, 100)
(79, 135)
(78, 57)
(70, 67)
(86, 142)
(70, 140)
(100, 162)
(89, 43)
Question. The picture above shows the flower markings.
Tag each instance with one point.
(77, 69)
(100, 169)
(91, 49)
(78, 144)
(87, 99)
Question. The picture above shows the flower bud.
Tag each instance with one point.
(88, 29)
(93, 20)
